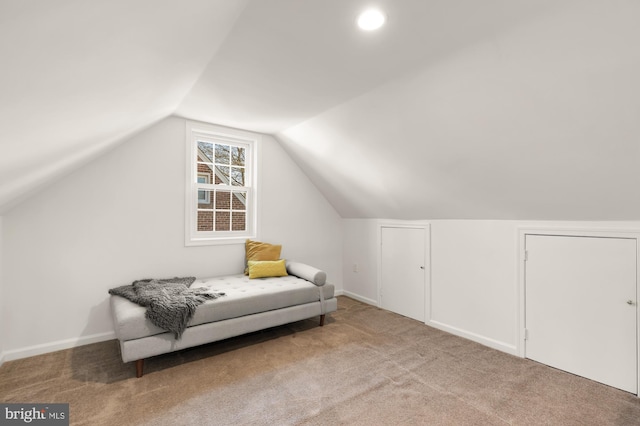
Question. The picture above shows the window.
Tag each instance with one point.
(203, 196)
(221, 185)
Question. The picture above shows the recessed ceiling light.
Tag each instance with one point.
(371, 19)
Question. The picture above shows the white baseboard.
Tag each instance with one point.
(360, 298)
(495, 344)
(55, 346)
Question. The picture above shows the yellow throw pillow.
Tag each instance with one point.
(267, 268)
(256, 250)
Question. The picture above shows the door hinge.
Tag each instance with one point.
(526, 334)
(526, 255)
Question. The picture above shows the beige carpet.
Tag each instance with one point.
(365, 366)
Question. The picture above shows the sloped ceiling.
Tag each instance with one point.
(288, 60)
(539, 120)
(77, 77)
(500, 109)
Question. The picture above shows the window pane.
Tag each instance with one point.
(205, 221)
(239, 221)
(222, 154)
(237, 176)
(237, 156)
(205, 152)
(239, 201)
(205, 173)
(205, 199)
(222, 175)
(223, 200)
(223, 220)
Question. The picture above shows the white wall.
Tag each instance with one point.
(121, 218)
(295, 214)
(474, 279)
(360, 248)
(474, 273)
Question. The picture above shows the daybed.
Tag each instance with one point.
(248, 305)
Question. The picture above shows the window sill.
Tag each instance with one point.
(219, 241)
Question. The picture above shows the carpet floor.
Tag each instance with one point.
(366, 366)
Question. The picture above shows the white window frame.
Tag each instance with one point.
(203, 132)
(207, 195)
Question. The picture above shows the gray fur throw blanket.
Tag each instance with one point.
(170, 302)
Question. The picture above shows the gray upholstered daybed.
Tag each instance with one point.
(248, 305)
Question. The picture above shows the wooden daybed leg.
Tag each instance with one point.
(321, 320)
(139, 367)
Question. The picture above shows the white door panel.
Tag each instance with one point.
(403, 271)
(577, 314)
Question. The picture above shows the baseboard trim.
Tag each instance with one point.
(492, 343)
(55, 346)
(360, 298)
(495, 344)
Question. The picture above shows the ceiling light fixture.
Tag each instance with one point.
(371, 19)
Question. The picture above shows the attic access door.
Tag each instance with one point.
(580, 306)
(403, 270)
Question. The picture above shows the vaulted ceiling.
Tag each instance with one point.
(500, 109)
